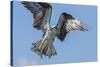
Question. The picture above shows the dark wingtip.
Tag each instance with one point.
(45, 5)
(23, 2)
(67, 15)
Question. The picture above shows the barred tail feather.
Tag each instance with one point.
(44, 48)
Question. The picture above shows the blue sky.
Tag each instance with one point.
(77, 47)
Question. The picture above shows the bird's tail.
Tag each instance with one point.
(44, 48)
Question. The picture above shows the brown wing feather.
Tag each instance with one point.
(61, 26)
(38, 9)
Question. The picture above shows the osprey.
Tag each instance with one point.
(41, 14)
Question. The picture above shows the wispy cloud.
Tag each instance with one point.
(22, 61)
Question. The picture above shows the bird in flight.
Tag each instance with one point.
(41, 13)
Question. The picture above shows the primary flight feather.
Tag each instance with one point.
(42, 15)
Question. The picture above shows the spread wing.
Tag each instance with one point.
(41, 13)
(66, 24)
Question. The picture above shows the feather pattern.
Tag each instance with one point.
(66, 24)
(42, 15)
(61, 26)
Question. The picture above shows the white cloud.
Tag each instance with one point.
(22, 61)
